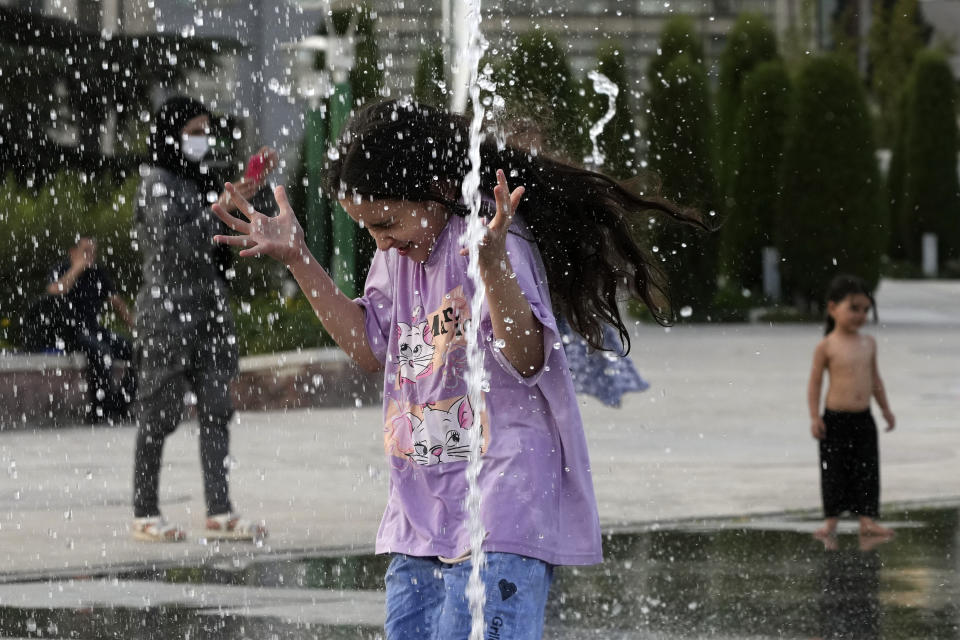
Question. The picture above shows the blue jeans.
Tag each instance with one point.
(426, 598)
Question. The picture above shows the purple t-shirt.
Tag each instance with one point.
(536, 485)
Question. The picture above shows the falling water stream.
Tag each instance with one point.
(604, 86)
(471, 51)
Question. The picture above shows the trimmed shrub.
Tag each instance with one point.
(893, 188)
(677, 38)
(754, 189)
(542, 81)
(896, 37)
(750, 42)
(680, 131)
(428, 82)
(930, 201)
(830, 217)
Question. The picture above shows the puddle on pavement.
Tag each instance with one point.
(759, 578)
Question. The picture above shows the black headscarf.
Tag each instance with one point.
(164, 147)
(164, 141)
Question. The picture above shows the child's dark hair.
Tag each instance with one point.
(582, 221)
(846, 285)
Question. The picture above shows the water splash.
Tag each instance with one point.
(471, 50)
(607, 87)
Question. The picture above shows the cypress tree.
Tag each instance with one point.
(896, 37)
(680, 131)
(542, 81)
(678, 37)
(751, 41)
(897, 247)
(754, 192)
(830, 218)
(930, 187)
(428, 82)
(366, 77)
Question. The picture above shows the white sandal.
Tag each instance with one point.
(230, 526)
(156, 529)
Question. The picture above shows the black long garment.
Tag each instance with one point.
(850, 464)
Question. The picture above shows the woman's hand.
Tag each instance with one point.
(279, 237)
(492, 252)
(246, 187)
(269, 155)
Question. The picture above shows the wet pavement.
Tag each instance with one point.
(750, 578)
(721, 438)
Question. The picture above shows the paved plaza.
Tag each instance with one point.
(723, 431)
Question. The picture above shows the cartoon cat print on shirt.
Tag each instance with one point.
(416, 348)
(441, 436)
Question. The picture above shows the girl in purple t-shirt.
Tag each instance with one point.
(559, 244)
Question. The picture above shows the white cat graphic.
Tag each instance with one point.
(441, 436)
(416, 351)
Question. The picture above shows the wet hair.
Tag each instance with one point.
(583, 222)
(847, 285)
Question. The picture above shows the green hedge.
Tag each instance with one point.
(41, 223)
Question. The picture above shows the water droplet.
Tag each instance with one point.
(686, 312)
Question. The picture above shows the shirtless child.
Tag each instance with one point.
(849, 460)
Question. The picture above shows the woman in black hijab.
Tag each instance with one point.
(185, 338)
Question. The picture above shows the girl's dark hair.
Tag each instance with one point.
(582, 221)
(846, 285)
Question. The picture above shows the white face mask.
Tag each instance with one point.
(194, 147)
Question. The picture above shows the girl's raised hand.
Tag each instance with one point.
(279, 237)
(492, 253)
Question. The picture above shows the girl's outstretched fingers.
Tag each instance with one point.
(233, 222)
(280, 195)
(233, 241)
(239, 201)
(507, 202)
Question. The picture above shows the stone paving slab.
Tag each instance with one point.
(722, 432)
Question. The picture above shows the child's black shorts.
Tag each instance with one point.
(849, 464)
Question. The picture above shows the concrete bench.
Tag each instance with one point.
(50, 389)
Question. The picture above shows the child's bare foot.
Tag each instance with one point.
(830, 542)
(828, 530)
(868, 527)
(824, 532)
(869, 543)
